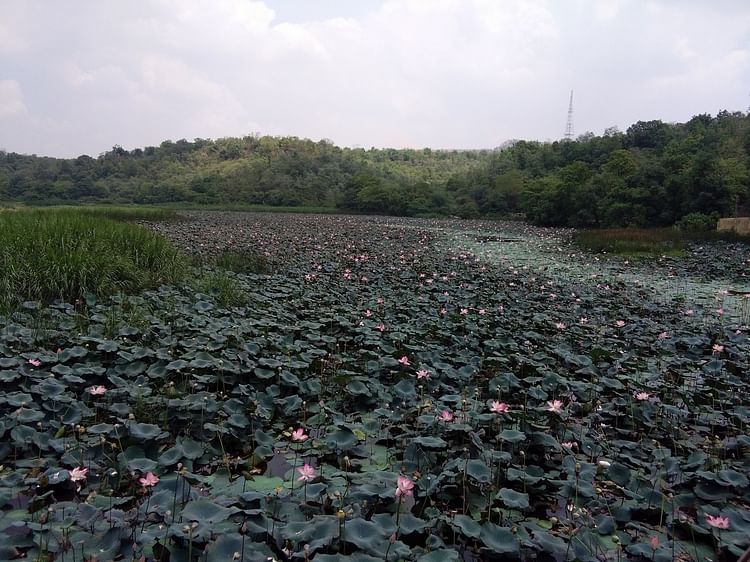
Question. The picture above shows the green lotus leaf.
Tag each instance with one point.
(731, 477)
(499, 539)
(478, 470)
(513, 499)
(342, 439)
(177, 365)
(440, 555)
(429, 442)
(619, 473)
(144, 430)
(512, 436)
(357, 388)
(205, 511)
(467, 526)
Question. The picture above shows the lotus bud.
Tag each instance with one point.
(341, 514)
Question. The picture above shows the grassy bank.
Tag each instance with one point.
(65, 253)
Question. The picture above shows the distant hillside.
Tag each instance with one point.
(254, 170)
(653, 174)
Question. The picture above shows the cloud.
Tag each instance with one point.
(441, 73)
(11, 99)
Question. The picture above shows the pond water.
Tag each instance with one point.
(667, 280)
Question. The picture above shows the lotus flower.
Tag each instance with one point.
(79, 473)
(423, 374)
(555, 406)
(149, 480)
(299, 435)
(499, 407)
(404, 486)
(404, 361)
(446, 416)
(307, 472)
(98, 390)
(718, 521)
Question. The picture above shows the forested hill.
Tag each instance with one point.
(652, 174)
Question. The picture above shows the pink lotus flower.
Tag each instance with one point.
(482, 312)
(404, 361)
(663, 335)
(423, 374)
(368, 313)
(446, 416)
(719, 522)
(654, 542)
(307, 472)
(79, 473)
(560, 325)
(97, 390)
(620, 323)
(569, 444)
(381, 327)
(464, 311)
(404, 486)
(642, 396)
(34, 362)
(149, 480)
(499, 407)
(555, 406)
(717, 348)
(299, 435)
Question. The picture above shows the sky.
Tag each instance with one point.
(81, 76)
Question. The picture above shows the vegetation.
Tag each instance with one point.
(654, 174)
(413, 390)
(50, 254)
(632, 241)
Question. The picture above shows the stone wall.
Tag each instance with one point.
(740, 225)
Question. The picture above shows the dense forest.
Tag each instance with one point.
(653, 174)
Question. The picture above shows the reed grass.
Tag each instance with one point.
(633, 241)
(67, 253)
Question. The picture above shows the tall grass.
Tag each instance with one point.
(49, 254)
(123, 213)
(649, 241)
(632, 241)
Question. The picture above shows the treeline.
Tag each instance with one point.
(280, 171)
(653, 174)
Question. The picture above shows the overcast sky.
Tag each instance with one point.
(82, 76)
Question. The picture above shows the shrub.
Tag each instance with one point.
(697, 222)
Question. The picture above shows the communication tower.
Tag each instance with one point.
(569, 124)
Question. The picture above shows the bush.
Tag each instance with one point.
(697, 222)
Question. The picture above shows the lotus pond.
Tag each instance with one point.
(389, 389)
